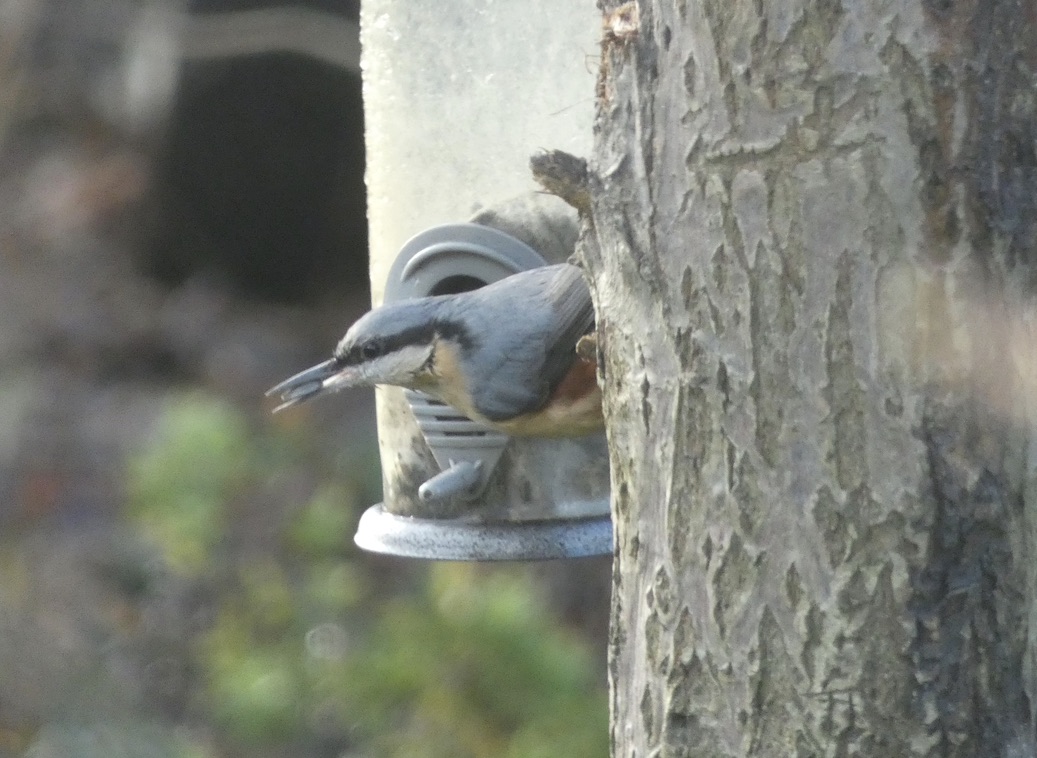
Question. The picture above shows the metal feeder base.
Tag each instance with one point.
(458, 540)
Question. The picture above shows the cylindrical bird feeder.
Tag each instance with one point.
(457, 97)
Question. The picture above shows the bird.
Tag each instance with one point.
(504, 355)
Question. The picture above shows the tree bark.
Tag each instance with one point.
(811, 245)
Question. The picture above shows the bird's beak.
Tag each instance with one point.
(311, 382)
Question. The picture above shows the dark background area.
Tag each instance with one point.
(181, 226)
(261, 178)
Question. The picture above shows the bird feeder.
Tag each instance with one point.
(456, 489)
(457, 97)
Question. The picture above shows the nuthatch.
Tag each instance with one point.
(504, 354)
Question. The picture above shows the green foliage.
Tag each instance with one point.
(254, 688)
(336, 586)
(465, 664)
(474, 667)
(180, 486)
(324, 524)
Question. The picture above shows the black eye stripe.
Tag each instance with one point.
(371, 349)
(423, 334)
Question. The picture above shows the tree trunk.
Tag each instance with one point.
(811, 246)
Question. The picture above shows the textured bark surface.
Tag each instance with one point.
(811, 243)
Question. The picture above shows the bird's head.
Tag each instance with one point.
(394, 344)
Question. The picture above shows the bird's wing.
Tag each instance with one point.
(540, 317)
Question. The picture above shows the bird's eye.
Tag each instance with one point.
(371, 350)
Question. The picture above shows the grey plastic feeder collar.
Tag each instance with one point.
(461, 540)
(434, 255)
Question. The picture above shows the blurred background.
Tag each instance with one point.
(181, 226)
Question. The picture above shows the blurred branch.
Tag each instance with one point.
(326, 37)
